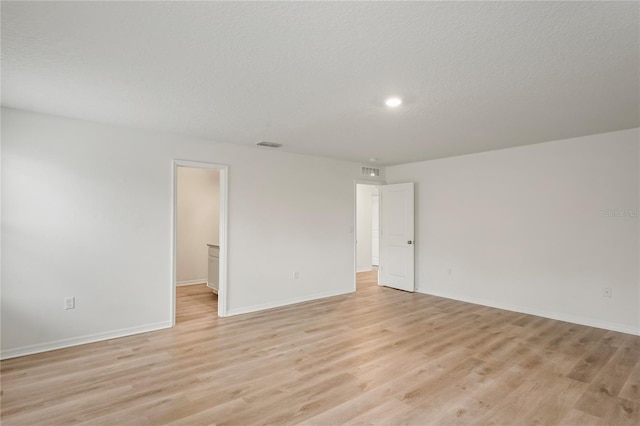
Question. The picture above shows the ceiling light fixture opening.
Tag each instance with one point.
(393, 102)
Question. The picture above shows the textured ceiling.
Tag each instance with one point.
(474, 76)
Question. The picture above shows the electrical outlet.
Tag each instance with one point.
(606, 292)
(296, 275)
(69, 303)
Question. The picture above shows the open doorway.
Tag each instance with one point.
(367, 235)
(199, 241)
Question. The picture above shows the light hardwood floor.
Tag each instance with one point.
(378, 356)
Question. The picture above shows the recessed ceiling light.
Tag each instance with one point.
(373, 159)
(393, 102)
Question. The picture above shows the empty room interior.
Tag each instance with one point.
(320, 213)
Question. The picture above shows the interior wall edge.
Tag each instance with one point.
(287, 302)
(192, 282)
(574, 319)
(81, 340)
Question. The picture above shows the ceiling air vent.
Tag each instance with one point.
(370, 171)
(269, 144)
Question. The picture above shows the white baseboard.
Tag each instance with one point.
(81, 340)
(365, 269)
(280, 303)
(191, 282)
(575, 319)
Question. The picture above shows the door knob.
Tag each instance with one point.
(409, 242)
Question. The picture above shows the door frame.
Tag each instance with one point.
(355, 224)
(223, 225)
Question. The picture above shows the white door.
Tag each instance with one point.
(396, 236)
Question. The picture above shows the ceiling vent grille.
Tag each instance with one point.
(370, 171)
(269, 144)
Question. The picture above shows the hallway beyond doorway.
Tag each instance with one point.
(195, 302)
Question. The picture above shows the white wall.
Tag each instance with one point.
(198, 220)
(364, 222)
(87, 212)
(527, 228)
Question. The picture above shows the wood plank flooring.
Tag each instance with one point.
(195, 302)
(378, 356)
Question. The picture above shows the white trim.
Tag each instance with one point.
(174, 238)
(191, 282)
(370, 268)
(82, 340)
(280, 303)
(223, 221)
(223, 285)
(575, 319)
